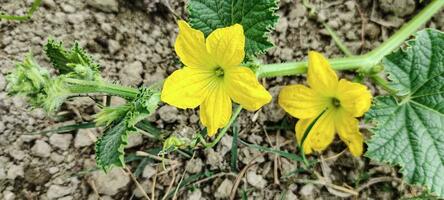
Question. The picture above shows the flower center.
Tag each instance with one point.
(335, 102)
(219, 72)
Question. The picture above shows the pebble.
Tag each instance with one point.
(85, 137)
(41, 149)
(148, 171)
(224, 189)
(400, 8)
(8, 195)
(56, 191)
(49, 3)
(307, 190)
(213, 158)
(256, 180)
(134, 140)
(195, 195)
(168, 113)
(113, 46)
(15, 171)
(105, 5)
(17, 154)
(57, 157)
(68, 8)
(194, 166)
(131, 74)
(2, 82)
(61, 141)
(110, 183)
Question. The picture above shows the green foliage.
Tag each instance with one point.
(410, 132)
(28, 79)
(256, 16)
(75, 63)
(35, 5)
(121, 121)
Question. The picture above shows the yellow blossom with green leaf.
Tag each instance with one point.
(342, 101)
(213, 75)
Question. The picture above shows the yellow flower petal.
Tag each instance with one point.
(354, 97)
(321, 76)
(226, 46)
(187, 87)
(215, 111)
(348, 129)
(320, 136)
(301, 102)
(190, 47)
(243, 87)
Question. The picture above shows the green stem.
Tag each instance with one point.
(383, 84)
(82, 86)
(224, 130)
(305, 135)
(364, 62)
(35, 5)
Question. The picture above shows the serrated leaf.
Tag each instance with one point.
(257, 17)
(110, 147)
(74, 61)
(410, 132)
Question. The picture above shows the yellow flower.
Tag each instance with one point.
(343, 100)
(212, 75)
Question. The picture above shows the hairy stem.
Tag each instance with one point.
(364, 62)
(82, 86)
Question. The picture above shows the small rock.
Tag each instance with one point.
(36, 175)
(8, 195)
(2, 82)
(68, 8)
(256, 180)
(148, 171)
(196, 195)
(53, 170)
(400, 8)
(194, 166)
(134, 140)
(15, 171)
(168, 113)
(85, 137)
(2, 173)
(131, 74)
(213, 158)
(17, 154)
(273, 111)
(290, 196)
(49, 3)
(224, 190)
(307, 190)
(57, 157)
(105, 5)
(41, 149)
(61, 141)
(56, 191)
(372, 30)
(113, 46)
(110, 183)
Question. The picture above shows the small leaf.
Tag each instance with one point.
(410, 132)
(110, 147)
(75, 62)
(257, 17)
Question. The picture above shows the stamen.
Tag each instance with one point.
(335, 102)
(219, 72)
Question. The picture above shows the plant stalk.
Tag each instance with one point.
(224, 130)
(82, 86)
(364, 62)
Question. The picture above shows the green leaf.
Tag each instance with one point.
(256, 16)
(75, 62)
(110, 147)
(410, 132)
(121, 121)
